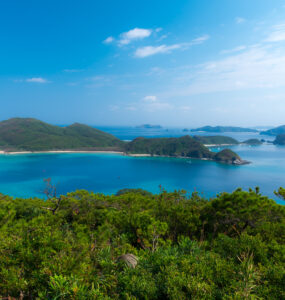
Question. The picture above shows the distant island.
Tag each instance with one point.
(149, 126)
(274, 131)
(223, 129)
(27, 134)
(280, 140)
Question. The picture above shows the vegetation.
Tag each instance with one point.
(143, 246)
(252, 142)
(215, 140)
(223, 129)
(274, 131)
(184, 146)
(33, 135)
(280, 139)
(229, 157)
(20, 134)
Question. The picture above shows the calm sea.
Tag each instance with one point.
(22, 175)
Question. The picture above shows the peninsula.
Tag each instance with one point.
(30, 135)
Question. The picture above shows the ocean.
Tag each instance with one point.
(22, 175)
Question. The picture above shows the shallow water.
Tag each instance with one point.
(22, 175)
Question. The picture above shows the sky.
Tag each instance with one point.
(174, 63)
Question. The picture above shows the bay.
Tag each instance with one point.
(22, 175)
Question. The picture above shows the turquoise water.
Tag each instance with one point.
(22, 175)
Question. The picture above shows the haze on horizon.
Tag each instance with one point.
(188, 63)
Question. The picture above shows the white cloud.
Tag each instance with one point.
(200, 39)
(236, 49)
(108, 40)
(150, 99)
(152, 50)
(277, 35)
(36, 80)
(256, 68)
(239, 20)
(134, 34)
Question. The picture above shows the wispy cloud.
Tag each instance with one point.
(33, 80)
(239, 20)
(257, 67)
(277, 35)
(150, 99)
(236, 49)
(134, 34)
(200, 39)
(152, 50)
(72, 70)
(108, 40)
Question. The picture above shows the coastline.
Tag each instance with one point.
(237, 163)
(57, 151)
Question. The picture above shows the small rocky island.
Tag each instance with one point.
(27, 134)
(149, 126)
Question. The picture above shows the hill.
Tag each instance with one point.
(223, 129)
(27, 134)
(274, 131)
(215, 140)
(137, 245)
(185, 146)
(280, 140)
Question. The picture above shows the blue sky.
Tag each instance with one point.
(174, 63)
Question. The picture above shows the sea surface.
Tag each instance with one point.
(22, 175)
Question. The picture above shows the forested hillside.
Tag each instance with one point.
(141, 246)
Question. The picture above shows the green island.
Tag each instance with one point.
(27, 134)
(223, 129)
(274, 131)
(137, 245)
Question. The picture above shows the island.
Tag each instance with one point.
(26, 134)
(223, 129)
(279, 140)
(274, 131)
(183, 147)
(149, 126)
(218, 140)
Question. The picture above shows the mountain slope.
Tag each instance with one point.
(34, 135)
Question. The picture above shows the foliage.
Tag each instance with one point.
(34, 135)
(216, 140)
(187, 247)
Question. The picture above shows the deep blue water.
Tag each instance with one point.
(22, 175)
